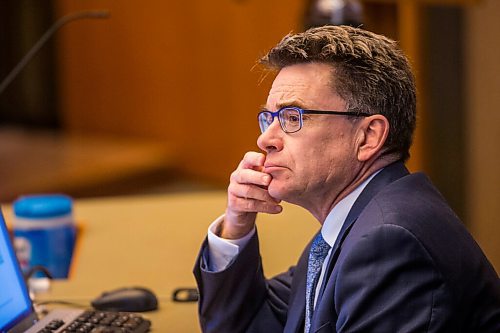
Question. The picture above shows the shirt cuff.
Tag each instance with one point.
(221, 251)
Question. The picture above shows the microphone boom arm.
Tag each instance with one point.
(101, 14)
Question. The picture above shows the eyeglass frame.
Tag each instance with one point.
(302, 112)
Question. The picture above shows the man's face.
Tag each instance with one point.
(319, 161)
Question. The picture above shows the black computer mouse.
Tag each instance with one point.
(134, 299)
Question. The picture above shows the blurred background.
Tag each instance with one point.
(162, 96)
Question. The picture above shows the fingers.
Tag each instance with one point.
(253, 160)
(251, 198)
(247, 191)
(250, 176)
(249, 205)
(247, 196)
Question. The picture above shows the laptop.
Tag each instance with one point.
(17, 313)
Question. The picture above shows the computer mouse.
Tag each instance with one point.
(133, 299)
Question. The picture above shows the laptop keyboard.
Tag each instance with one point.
(101, 322)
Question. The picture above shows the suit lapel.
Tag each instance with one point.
(388, 175)
(297, 305)
(296, 312)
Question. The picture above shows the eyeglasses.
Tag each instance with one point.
(290, 117)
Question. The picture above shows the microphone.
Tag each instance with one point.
(91, 14)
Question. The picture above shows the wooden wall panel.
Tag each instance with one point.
(180, 72)
(409, 31)
(483, 121)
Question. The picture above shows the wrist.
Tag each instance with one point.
(231, 233)
(229, 229)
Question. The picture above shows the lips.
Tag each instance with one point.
(270, 167)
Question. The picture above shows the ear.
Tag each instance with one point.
(373, 132)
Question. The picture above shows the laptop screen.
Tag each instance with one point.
(15, 304)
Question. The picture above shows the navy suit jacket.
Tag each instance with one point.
(403, 262)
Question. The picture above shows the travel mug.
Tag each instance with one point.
(44, 233)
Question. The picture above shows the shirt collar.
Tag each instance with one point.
(333, 222)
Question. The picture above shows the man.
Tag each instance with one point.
(391, 256)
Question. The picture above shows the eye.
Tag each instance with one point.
(292, 116)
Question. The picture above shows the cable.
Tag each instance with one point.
(37, 268)
(62, 302)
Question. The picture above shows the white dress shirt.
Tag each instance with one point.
(222, 251)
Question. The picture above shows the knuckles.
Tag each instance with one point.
(231, 201)
(252, 157)
(249, 156)
(234, 175)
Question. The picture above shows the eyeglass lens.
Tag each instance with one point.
(290, 120)
(265, 120)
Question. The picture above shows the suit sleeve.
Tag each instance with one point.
(387, 282)
(239, 298)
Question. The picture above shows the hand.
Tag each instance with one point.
(247, 195)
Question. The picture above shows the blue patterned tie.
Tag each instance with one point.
(317, 255)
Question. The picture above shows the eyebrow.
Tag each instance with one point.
(285, 103)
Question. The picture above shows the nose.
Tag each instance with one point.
(272, 138)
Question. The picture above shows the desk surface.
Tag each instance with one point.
(152, 241)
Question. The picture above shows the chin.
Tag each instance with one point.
(279, 191)
(275, 190)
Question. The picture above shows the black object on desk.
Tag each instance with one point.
(134, 299)
(185, 295)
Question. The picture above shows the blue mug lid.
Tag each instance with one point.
(43, 206)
